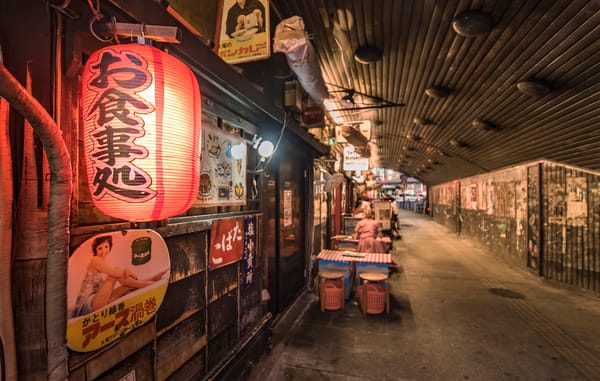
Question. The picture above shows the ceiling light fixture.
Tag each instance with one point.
(534, 87)
(348, 99)
(483, 124)
(437, 92)
(472, 23)
(367, 54)
(421, 121)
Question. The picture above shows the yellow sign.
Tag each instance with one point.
(116, 283)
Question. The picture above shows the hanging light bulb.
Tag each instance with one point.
(265, 149)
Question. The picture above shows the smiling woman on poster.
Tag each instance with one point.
(245, 15)
(98, 285)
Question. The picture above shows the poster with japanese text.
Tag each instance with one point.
(226, 242)
(222, 176)
(116, 282)
(249, 254)
(244, 31)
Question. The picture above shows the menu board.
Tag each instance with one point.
(222, 176)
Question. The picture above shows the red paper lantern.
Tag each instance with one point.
(141, 117)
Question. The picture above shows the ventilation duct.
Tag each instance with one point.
(291, 39)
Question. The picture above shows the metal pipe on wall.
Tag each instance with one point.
(58, 218)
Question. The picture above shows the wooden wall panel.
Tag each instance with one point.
(188, 254)
(220, 345)
(194, 369)
(139, 365)
(30, 334)
(222, 313)
(251, 309)
(222, 280)
(183, 298)
(178, 345)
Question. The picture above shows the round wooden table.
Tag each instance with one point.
(322, 276)
(365, 278)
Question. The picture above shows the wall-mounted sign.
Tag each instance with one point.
(249, 254)
(364, 127)
(312, 116)
(353, 161)
(226, 242)
(222, 176)
(133, 98)
(244, 31)
(116, 283)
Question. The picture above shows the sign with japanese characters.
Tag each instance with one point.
(222, 176)
(226, 242)
(249, 254)
(141, 116)
(353, 161)
(116, 283)
(244, 31)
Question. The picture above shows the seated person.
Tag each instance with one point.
(367, 231)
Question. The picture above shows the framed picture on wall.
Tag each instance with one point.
(243, 31)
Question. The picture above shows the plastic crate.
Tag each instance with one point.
(375, 298)
(331, 294)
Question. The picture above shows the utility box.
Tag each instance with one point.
(292, 99)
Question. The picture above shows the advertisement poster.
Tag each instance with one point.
(249, 255)
(383, 213)
(116, 283)
(244, 31)
(222, 177)
(226, 242)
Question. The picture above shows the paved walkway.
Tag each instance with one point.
(458, 313)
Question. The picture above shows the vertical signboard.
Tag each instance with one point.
(249, 253)
(226, 242)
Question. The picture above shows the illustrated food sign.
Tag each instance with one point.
(141, 118)
(244, 31)
(116, 283)
(222, 176)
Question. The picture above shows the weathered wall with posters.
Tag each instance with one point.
(542, 215)
(570, 212)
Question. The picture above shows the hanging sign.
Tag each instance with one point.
(364, 127)
(222, 176)
(353, 161)
(226, 242)
(141, 118)
(249, 254)
(312, 116)
(116, 283)
(244, 33)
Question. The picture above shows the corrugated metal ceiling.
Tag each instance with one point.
(436, 139)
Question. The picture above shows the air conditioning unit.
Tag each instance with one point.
(292, 99)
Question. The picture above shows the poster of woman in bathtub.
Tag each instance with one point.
(116, 282)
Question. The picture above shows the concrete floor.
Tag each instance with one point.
(457, 313)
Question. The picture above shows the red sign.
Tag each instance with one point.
(141, 111)
(312, 115)
(226, 242)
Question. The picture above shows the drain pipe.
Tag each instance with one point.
(59, 208)
(8, 355)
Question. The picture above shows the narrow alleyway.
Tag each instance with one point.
(458, 313)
